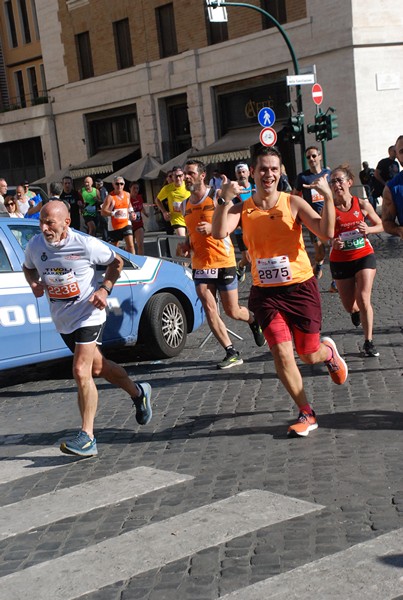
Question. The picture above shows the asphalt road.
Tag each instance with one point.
(211, 500)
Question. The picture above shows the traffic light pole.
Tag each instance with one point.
(323, 142)
(217, 3)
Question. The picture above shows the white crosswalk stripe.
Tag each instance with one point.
(35, 512)
(152, 546)
(368, 571)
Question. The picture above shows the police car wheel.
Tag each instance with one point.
(163, 328)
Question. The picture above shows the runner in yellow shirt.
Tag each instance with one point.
(175, 193)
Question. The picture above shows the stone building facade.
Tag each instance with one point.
(137, 77)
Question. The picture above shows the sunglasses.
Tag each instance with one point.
(337, 180)
(119, 183)
(10, 204)
(312, 156)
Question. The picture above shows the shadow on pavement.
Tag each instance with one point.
(195, 426)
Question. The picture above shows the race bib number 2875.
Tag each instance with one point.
(273, 271)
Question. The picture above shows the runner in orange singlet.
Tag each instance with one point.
(285, 296)
(213, 263)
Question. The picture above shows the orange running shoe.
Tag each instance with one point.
(306, 422)
(337, 367)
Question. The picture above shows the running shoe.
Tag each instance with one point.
(317, 271)
(240, 273)
(369, 349)
(337, 367)
(333, 287)
(306, 422)
(80, 445)
(356, 318)
(232, 359)
(143, 404)
(257, 334)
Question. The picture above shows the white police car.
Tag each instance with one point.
(154, 303)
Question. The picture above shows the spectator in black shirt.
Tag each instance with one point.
(74, 200)
(385, 170)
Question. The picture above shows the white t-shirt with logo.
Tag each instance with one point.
(69, 274)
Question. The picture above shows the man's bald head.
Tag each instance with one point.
(54, 219)
(56, 208)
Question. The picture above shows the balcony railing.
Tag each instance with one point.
(25, 101)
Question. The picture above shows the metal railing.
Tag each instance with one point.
(25, 101)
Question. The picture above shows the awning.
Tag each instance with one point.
(102, 162)
(234, 145)
(56, 176)
(177, 160)
(136, 170)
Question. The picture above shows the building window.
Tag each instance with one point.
(277, 9)
(22, 160)
(33, 84)
(216, 32)
(123, 44)
(11, 24)
(35, 19)
(24, 22)
(166, 30)
(20, 90)
(112, 131)
(43, 79)
(84, 55)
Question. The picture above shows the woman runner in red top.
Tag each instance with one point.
(352, 257)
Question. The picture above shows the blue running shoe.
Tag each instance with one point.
(80, 445)
(143, 404)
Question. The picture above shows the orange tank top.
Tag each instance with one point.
(207, 252)
(120, 215)
(275, 244)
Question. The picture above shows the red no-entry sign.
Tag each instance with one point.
(317, 94)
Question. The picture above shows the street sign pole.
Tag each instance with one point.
(217, 3)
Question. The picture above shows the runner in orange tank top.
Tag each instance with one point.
(284, 296)
(213, 263)
(117, 208)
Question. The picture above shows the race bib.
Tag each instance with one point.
(120, 214)
(316, 197)
(137, 216)
(273, 271)
(177, 207)
(206, 273)
(62, 286)
(352, 240)
(91, 209)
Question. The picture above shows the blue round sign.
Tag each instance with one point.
(266, 117)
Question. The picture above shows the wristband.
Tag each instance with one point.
(222, 202)
(106, 288)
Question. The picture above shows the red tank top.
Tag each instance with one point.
(356, 244)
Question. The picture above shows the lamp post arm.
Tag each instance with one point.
(217, 3)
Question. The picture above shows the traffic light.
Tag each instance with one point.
(320, 127)
(332, 127)
(293, 129)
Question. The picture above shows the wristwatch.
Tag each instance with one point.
(106, 288)
(222, 202)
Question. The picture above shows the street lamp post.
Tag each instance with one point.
(218, 3)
